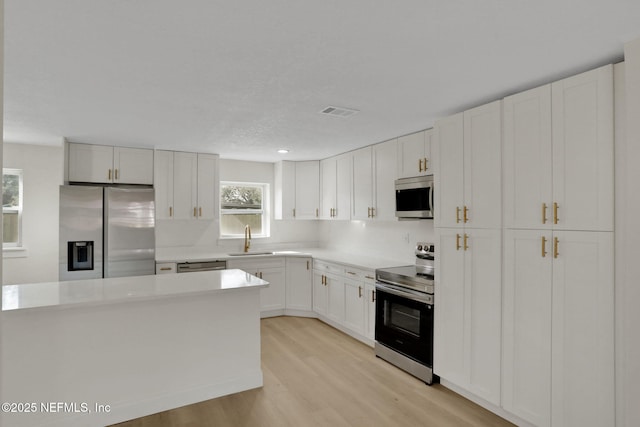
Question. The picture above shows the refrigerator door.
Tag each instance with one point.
(129, 247)
(80, 251)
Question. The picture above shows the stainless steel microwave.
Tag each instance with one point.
(414, 197)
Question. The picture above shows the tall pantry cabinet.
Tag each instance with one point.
(468, 266)
(558, 314)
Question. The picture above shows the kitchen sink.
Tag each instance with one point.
(250, 253)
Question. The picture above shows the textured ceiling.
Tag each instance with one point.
(243, 78)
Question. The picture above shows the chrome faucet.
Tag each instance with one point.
(247, 238)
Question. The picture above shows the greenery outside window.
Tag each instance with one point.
(11, 208)
(243, 204)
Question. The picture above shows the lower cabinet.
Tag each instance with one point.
(467, 329)
(298, 284)
(354, 317)
(272, 270)
(558, 327)
(370, 301)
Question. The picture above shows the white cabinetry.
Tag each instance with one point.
(558, 154)
(370, 295)
(468, 182)
(271, 269)
(109, 165)
(297, 190)
(467, 342)
(186, 185)
(374, 174)
(414, 154)
(558, 324)
(298, 284)
(335, 175)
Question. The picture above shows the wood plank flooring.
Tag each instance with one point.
(314, 375)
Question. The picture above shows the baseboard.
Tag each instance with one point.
(347, 331)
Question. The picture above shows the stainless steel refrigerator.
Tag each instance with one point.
(106, 232)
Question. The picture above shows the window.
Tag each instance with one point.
(12, 208)
(243, 204)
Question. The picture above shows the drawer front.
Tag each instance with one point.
(358, 274)
(328, 267)
(256, 263)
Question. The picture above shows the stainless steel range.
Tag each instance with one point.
(404, 315)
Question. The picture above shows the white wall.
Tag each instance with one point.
(394, 240)
(42, 175)
(204, 234)
(627, 233)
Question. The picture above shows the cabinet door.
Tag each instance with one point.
(133, 166)
(185, 185)
(207, 186)
(343, 187)
(362, 184)
(319, 293)
(307, 189)
(370, 295)
(526, 325)
(354, 305)
(483, 166)
(527, 159)
(273, 296)
(583, 330)
(335, 298)
(385, 164)
(90, 163)
(328, 180)
(285, 189)
(483, 321)
(163, 184)
(449, 295)
(583, 150)
(298, 284)
(449, 179)
(411, 156)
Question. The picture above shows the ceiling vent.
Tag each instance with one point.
(339, 111)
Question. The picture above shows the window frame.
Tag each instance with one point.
(18, 209)
(264, 211)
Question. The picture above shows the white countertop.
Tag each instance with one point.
(100, 291)
(344, 258)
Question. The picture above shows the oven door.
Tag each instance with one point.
(404, 322)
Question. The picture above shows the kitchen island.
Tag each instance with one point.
(98, 352)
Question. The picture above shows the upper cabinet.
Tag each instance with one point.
(468, 182)
(558, 154)
(297, 190)
(374, 175)
(186, 185)
(335, 180)
(104, 164)
(414, 154)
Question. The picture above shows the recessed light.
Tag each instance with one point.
(283, 151)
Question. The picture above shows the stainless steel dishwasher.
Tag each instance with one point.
(190, 267)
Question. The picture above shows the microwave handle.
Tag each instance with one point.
(431, 201)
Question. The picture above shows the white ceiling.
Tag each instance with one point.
(243, 78)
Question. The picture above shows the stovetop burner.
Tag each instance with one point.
(408, 276)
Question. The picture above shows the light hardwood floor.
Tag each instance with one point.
(314, 375)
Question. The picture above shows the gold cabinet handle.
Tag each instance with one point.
(419, 165)
(464, 214)
(555, 213)
(457, 215)
(307, 265)
(316, 212)
(109, 174)
(373, 212)
(544, 213)
(359, 291)
(457, 242)
(116, 174)
(369, 277)
(466, 238)
(544, 246)
(200, 211)
(170, 211)
(294, 212)
(351, 273)
(195, 212)
(165, 269)
(556, 242)
(373, 296)
(425, 164)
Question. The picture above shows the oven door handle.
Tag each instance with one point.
(405, 293)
